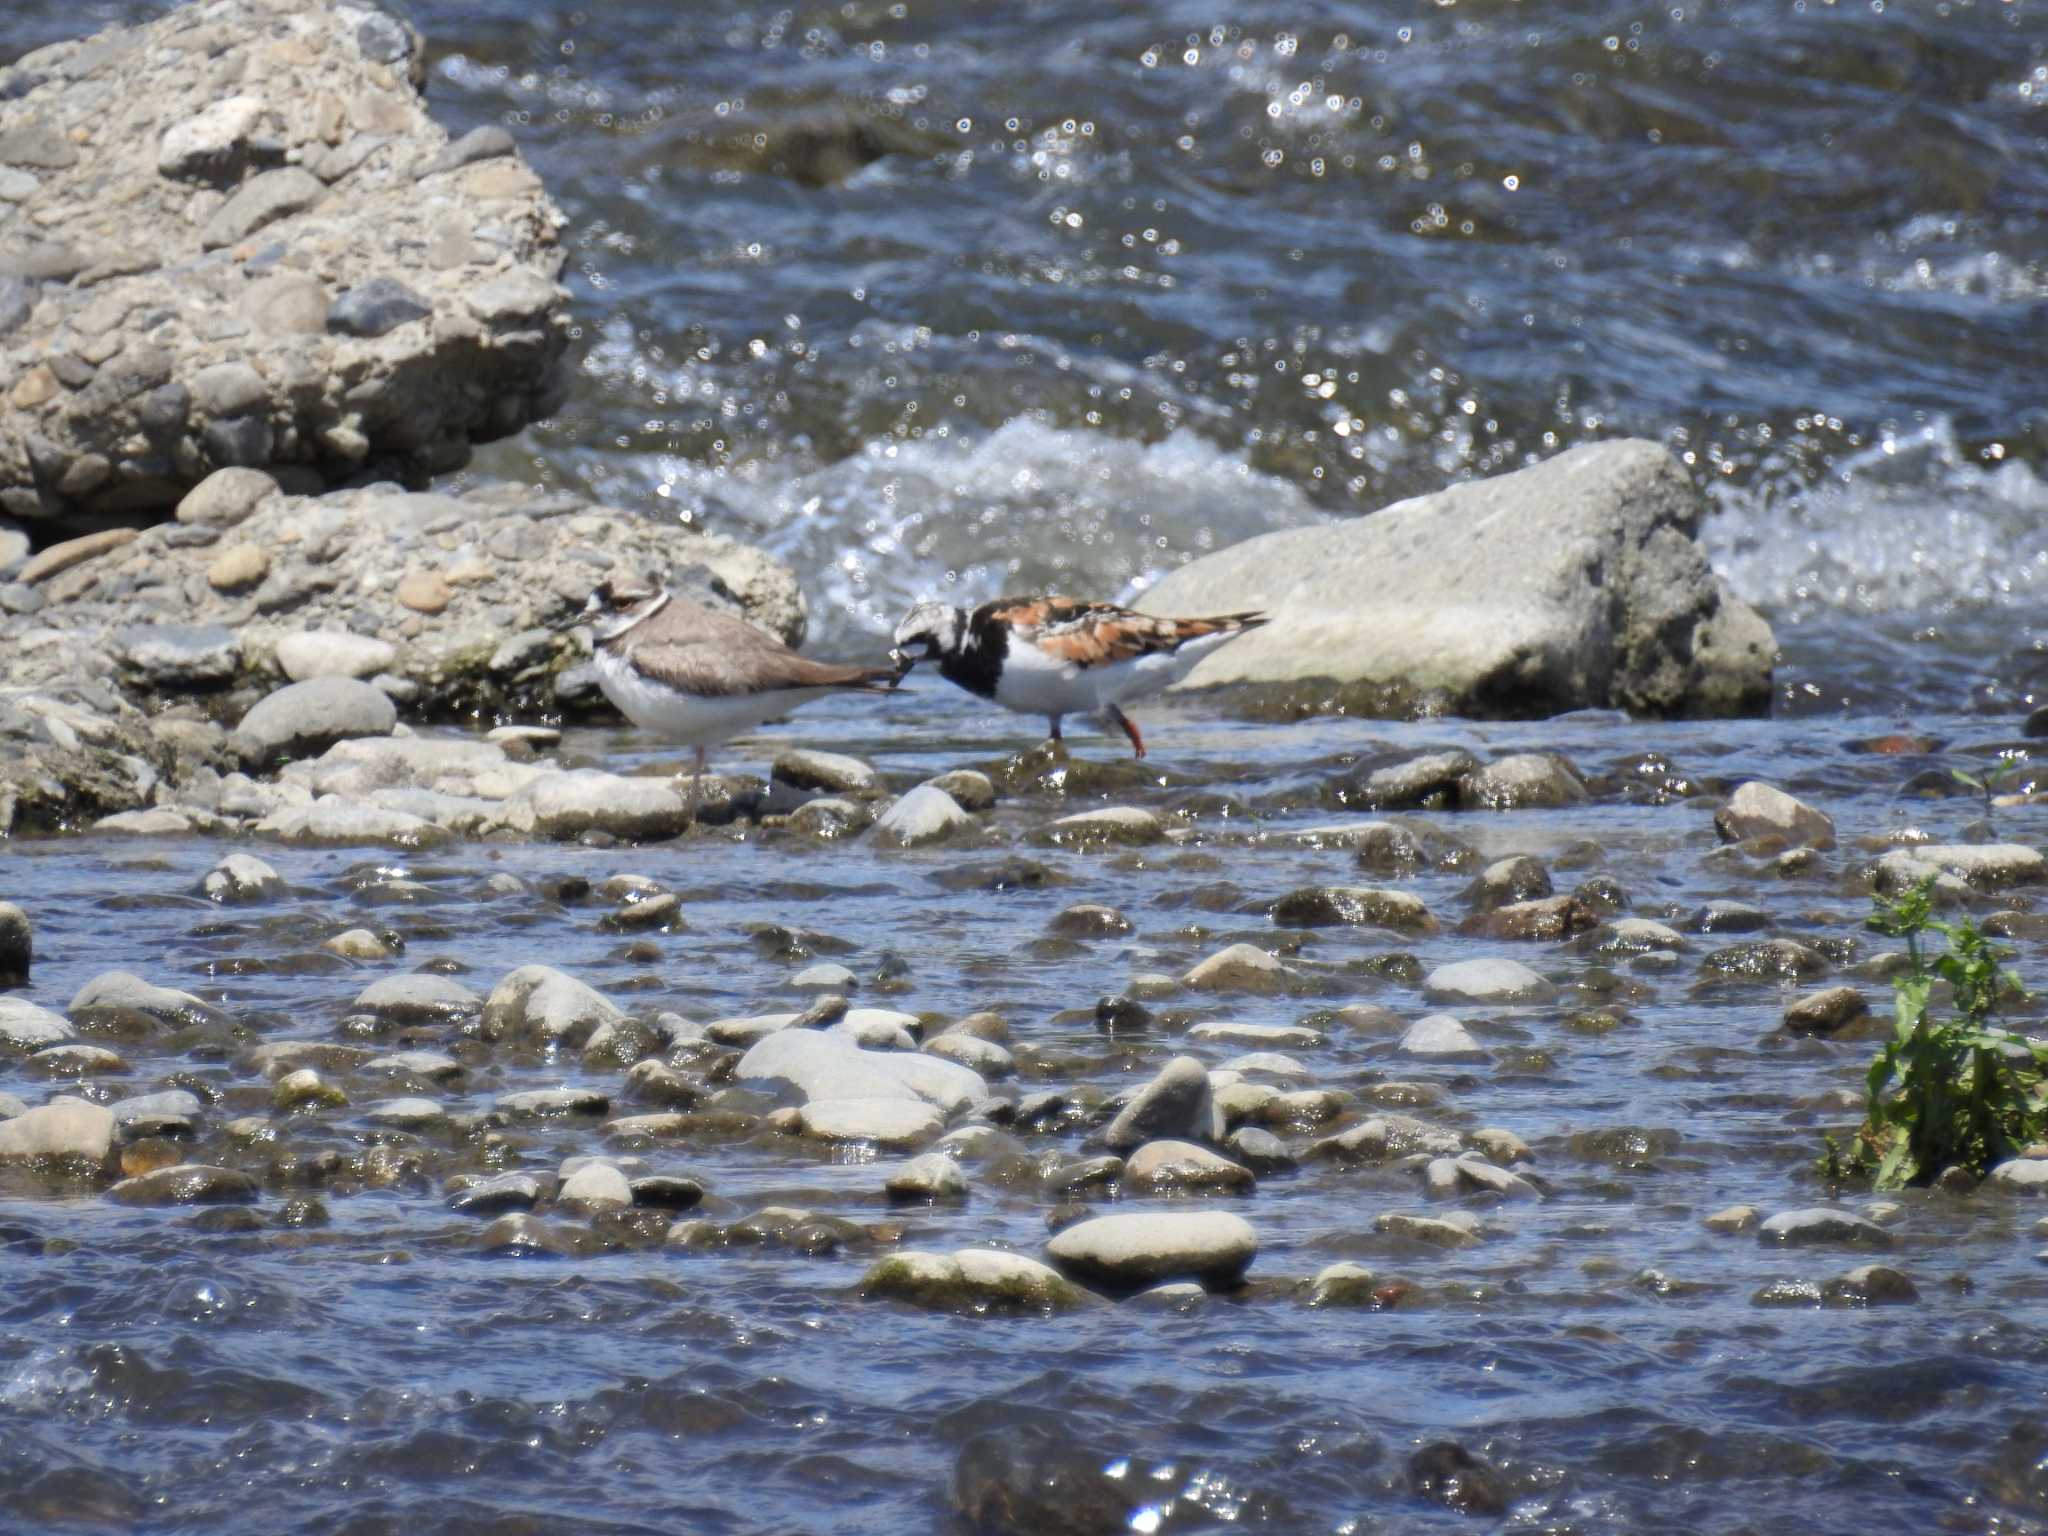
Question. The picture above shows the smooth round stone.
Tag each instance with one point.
(1502, 1147)
(358, 944)
(982, 1056)
(971, 1279)
(419, 999)
(547, 1103)
(1355, 906)
(878, 1029)
(1268, 1064)
(124, 991)
(666, 1192)
(2020, 1175)
(547, 1005)
(429, 1065)
(1260, 1150)
(1869, 1285)
(970, 788)
(1162, 1167)
(1238, 968)
(1817, 1225)
(496, 1195)
(1108, 826)
(1759, 810)
(1087, 920)
(64, 1130)
(1442, 1038)
(305, 1089)
(186, 1184)
(17, 946)
(1826, 1011)
(1140, 1249)
(1498, 981)
(927, 814)
(406, 1114)
(828, 976)
(172, 1112)
(890, 1123)
(595, 1185)
(1454, 1229)
(932, 1176)
(1521, 781)
(1269, 1037)
(307, 653)
(240, 878)
(76, 1058)
(1177, 1104)
(828, 771)
(1174, 1296)
(1732, 1218)
(305, 719)
(1979, 866)
(1475, 1175)
(25, 1027)
(1342, 1284)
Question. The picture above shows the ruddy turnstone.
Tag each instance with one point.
(1056, 656)
(700, 677)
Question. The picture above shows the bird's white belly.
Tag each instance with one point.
(1033, 683)
(687, 718)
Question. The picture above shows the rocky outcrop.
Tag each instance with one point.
(441, 603)
(449, 598)
(234, 236)
(1574, 584)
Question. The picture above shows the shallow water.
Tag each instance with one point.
(1169, 286)
(1601, 1350)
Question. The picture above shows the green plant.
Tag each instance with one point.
(1953, 1090)
(1992, 781)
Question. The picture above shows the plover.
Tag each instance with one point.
(700, 677)
(1057, 656)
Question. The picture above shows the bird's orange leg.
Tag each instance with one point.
(1130, 730)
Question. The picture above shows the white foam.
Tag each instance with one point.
(1028, 507)
(1912, 524)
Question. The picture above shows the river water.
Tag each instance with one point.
(947, 298)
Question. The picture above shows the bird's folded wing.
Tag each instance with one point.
(714, 671)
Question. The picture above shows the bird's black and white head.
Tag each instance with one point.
(929, 632)
(620, 604)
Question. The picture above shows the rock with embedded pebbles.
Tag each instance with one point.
(1573, 584)
(188, 343)
(1129, 1251)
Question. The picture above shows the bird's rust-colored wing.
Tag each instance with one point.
(1088, 634)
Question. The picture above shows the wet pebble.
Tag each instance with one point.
(1238, 968)
(1826, 1011)
(1166, 1167)
(1758, 810)
(1818, 1225)
(495, 1195)
(541, 1004)
(926, 815)
(1441, 1037)
(186, 1184)
(64, 1130)
(422, 998)
(240, 878)
(886, 1122)
(932, 1176)
(1175, 1104)
(971, 1280)
(25, 1027)
(17, 946)
(1129, 1251)
(1497, 981)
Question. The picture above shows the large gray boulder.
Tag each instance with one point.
(235, 237)
(1573, 584)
